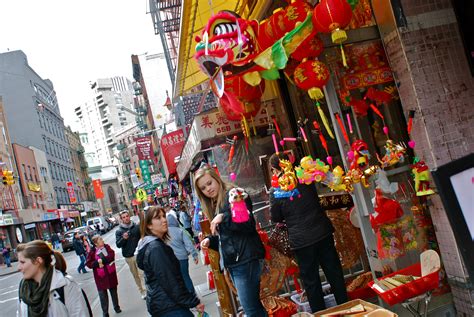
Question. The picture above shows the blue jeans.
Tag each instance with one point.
(180, 312)
(246, 278)
(82, 265)
(184, 266)
(8, 260)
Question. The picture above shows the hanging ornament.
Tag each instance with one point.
(359, 171)
(312, 75)
(394, 153)
(311, 47)
(311, 170)
(288, 180)
(232, 149)
(335, 179)
(323, 141)
(342, 127)
(379, 96)
(422, 179)
(332, 16)
(411, 115)
(377, 111)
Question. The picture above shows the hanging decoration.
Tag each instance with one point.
(332, 16)
(359, 171)
(422, 179)
(311, 170)
(312, 47)
(394, 153)
(342, 127)
(323, 141)
(411, 116)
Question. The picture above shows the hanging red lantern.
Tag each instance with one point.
(311, 47)
(312, 75)
(239, 88)
(234, 108)
(296, 12)
(332, 16)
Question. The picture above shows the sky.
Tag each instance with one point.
(75, 42)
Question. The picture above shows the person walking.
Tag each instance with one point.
(127, 237)
(185, 219)
(87, 245)
(6, 255)
(44, 289)
(182, 246)
(101, 260)
(55, 241)
(310, 234)
(78, 246)
(237, 241)
(167, 295)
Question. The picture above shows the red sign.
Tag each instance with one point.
(171, 146)
(97, 183)
(144, 148)
(70, 191)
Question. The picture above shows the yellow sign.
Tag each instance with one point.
(34, 187)
(141, 195)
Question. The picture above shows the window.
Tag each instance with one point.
(31, 175)
(24, 171)
(34, 173)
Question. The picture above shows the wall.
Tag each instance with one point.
(427, 56)
(45, 178)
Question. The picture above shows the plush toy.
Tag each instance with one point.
(387, 210)
(422, 179)
(240, 212)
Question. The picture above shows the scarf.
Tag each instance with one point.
(35, 295)
(125, 226)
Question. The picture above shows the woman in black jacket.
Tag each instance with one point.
(167, 295)
(236, 239)
(310, 235)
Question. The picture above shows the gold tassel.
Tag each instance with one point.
(325, 120)
(344, 61)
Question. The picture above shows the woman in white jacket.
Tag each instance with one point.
(44, 290)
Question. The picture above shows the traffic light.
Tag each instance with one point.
(138, 171)
(8, 178)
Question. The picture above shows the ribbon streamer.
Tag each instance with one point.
(343, 128)
(324, 119)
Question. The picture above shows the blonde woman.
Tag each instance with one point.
(238, 243)
(44, 289)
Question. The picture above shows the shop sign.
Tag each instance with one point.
(83, 214)
(157, 179)
(34, 187)
(72, 207)
(70, 191)
(30, 226)
(97, 184)
(49, 216)
(144, 148)
(171, 147)
(19, 235)
(145, 173)
(336, 201)
(6, 220)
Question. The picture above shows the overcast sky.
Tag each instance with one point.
(74, 42)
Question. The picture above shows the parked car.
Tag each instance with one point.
(99, 223)
(112, 221)
(66, 240)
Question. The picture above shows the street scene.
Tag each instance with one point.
(173, 158)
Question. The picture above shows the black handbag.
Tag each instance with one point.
(280, 240)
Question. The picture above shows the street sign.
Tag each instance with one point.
(141, 195)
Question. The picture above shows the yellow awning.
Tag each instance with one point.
(195, 14)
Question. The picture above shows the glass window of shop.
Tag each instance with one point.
(45, 231)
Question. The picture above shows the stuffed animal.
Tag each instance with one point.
(240, 212)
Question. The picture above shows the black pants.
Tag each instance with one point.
(309, 259)
(104, 300)
(190, 230)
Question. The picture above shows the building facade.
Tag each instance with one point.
(45, 179)
(18, 83)
(81, 179)
(105, 114)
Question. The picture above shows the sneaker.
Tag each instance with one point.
(143, 296)
(118, 310)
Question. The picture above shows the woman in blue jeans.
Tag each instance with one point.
(235, 237)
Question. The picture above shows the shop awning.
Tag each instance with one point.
(195, 14)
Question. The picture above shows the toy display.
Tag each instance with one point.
(422, 179)
(240, 212)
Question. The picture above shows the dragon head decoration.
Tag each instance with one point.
(227, 46)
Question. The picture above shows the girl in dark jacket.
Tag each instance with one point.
(237, 241)
(310, 234)
(167, 295)
(101, 260)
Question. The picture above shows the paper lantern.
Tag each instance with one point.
(311, 47)
(239, 88)
(234, 108)
(311, 75)
(332, 16)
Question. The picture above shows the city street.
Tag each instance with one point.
(129, 297)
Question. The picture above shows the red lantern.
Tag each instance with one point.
(234, 108)
(239, 88)
(312, 75)
(332, 16)
(296, 12)
(311, 47)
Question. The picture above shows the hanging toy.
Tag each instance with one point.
(311, 170)
(342, 127)
(335, 179)
(394, 153)
(240, 212)
(411, 116)
(232, 149)
(323, 141)
(377, 111)
(359, 171)
(422, 179)
(288, 180)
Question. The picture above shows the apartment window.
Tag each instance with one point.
(31, 175)
(24, 171)
(34, 173)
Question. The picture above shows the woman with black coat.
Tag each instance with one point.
(167, 295)
(234, 236)
(310, 234)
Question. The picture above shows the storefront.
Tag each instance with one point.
(362, 102)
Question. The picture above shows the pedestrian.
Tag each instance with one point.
(167, 295)
(55, 241)
(101, 260)
(43, 283)
(310, 235)
(185, 219)
(78, 246)
(238, 243)
(87, 245)
(182, 246)
(6, 255)
(127, 237)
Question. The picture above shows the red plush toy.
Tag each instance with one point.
(387, 210)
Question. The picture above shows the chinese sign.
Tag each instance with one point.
(144, 148)
(145, 173)
(97, 184)
(71, 193)
(171, 147)
(336, 201)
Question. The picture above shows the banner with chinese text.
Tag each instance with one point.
(171, 146)
(97, 184)
(71, 193)
(144, 148)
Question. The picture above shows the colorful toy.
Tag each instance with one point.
(311, 170)
(422, 179)
(394, 153)
(240, 212)
(335, 179)
(287, 181)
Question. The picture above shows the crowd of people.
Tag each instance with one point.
(157, 254)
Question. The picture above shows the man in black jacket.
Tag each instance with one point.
(127, 237)
(78, 246)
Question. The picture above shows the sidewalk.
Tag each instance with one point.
(132, 304)
(4, 270)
